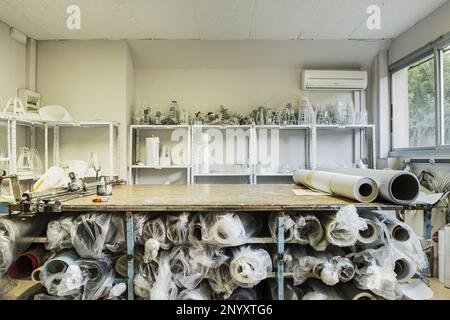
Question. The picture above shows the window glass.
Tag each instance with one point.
(413, 98)
(446, 95)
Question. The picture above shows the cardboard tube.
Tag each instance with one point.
(371, 234)
(359, 188)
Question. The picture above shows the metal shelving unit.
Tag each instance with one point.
(134, 151)
(113, 141)
(363, 141)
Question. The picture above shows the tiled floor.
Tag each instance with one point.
(440, 292)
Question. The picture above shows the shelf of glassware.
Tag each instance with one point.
(134, 139)
(113, 141)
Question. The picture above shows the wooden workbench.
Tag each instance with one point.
(214, 198)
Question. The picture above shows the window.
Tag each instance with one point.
(420, 99)
(413, 96)
(446, 95)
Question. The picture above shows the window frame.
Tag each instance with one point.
(435, 49)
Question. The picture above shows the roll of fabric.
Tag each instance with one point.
(12, 233)
(342, 229)
(115, 238)
(372, 235)
(250, 266)
(399, 187)
(244, 294)
(291, 292)
(221, 282)
(121, 266)
(196, 226)
(54, 265)
(98, 278)
(164, 287)
(144, 278)
(230, 229)
(309, 230)
(351, 292)
(359, 188)
(203, 292)
(58, 233)
(177, 227)
(288, 227)
(151, 227)
(27, 262)
(187, 273)
(89, 234)
(316, 290)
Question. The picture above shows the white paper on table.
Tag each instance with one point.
(303, 192)
(431, 198)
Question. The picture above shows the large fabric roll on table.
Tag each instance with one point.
(399, 187)
(356, 187)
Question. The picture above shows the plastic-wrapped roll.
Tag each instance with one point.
(27, 262)
(12, 231)
(404, 268)
(89, 233)
(164, 287)
(187, 272)
(342, 229)
(288, 227)
(351, 292)
(398, 232)
(58, 233)
(178, 228)
(221, 282)
(121, 266)
(115, 238)
(345, 268)
(316, 290)
(208, 256)
(399, 187)
(203, 292)
(196, 226)
(144, 278)
(148, 226)
(372, 234)
(56, 264)
(359, 188)
(250, 266)
(98, 278)
(244, 294)
(229, 229)
(291, 292)
(309, 230)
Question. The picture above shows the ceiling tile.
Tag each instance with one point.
(224, 19)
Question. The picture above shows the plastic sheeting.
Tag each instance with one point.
(187, 272)
(308, 230)
(289, 226)
(11, 233)
(203, 292)
(148, 226)
(229, 229)
(91, 233)
(342, 229)
(249, 266)
(177, 227)
(58, 233)
(221, 282)
(316, 290)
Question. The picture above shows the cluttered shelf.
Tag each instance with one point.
(216, 197)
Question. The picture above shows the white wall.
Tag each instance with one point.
(12, 64)
(429, 29)
(89, 78)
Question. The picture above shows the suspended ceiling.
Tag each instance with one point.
(215, 19)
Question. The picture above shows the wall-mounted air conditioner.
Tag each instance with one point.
(334, 80)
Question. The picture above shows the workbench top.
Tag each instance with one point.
(214, 197)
